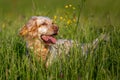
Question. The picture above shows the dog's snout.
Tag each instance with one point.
(55, 28)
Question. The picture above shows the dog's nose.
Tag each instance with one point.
(55, 28)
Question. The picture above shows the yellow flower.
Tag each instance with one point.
(55, 17)
(61, 17)
(69, 21)
(3, 25)
(70, 5)
(66, 6)
(73, 8)
(74, 20)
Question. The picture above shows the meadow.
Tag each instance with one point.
(81, 20)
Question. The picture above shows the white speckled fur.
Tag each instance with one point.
(42, 30)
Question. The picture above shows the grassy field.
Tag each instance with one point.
(81, 20)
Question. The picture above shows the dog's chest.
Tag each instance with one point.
(38, 49)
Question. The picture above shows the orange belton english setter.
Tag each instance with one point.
(39, 34)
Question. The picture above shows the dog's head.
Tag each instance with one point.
(41, 28)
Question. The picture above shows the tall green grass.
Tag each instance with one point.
(103, 64)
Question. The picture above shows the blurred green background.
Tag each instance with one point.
(98, 8)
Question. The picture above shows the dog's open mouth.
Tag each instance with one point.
(48, 39)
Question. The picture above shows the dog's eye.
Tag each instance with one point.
(44, 23)
(52, 23)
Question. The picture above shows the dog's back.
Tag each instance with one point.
(63, 46)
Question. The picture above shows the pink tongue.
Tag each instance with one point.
(49, 39)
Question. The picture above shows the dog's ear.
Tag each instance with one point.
(23, 31)
(29, 27)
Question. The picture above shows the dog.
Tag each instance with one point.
(39, 33)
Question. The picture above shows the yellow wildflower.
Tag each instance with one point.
(55, 17)
(69, 21)
(74, 20)
(70, 5)
(73, 8)
(66, 6)
(3, 25)
(61, 17)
